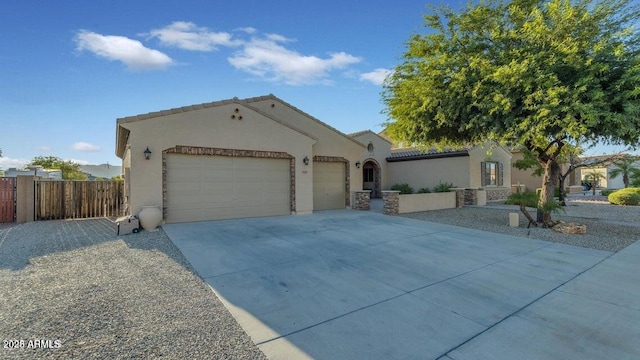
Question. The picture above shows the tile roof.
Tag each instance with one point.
(404, 154)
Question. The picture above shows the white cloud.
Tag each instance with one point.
(248, 30)
(188, 36)
(268, 59)
(376, 76)
(7, 162)
(119, 48)
(81, 162)
(85, 147)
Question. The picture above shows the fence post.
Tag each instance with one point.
(25, 198)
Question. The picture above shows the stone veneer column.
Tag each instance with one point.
(459, 196)
(471, 196)
(362, 199)
(391, 200)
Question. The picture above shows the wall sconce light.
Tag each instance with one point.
(147, 154)
(305, 160)
(358, 164)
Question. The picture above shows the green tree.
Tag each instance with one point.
(625, 166)
(70, 169)
(537, 73)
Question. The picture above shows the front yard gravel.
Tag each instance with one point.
(609, 227)
(103, 296)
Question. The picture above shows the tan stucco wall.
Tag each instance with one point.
(212, 127)
(330, 141)
(524, 177)
(381, 151)
(425, 202)
(430, 172)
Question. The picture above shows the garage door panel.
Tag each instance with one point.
(220, 187)
(328, 185)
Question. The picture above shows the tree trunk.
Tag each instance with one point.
(561, 194)
(549, 183)
(625, 180)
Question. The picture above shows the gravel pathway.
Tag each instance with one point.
(609, 227)
(77, 287)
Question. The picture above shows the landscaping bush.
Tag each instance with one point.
(443, 187)
(424, 190)
(607, 192)
(403, 188)
(530, 199)
(628, 196)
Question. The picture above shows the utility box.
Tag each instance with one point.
(127, 225)
(514, 220)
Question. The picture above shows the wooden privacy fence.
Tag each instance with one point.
(7, 199)
(69, 199)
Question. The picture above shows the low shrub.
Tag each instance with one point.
(628, 196)
(607, 192)
(530, 199)
(443, 187)
(403, 188)
(424, 190)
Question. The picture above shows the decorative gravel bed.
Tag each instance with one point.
(79, 290)
(609, 227)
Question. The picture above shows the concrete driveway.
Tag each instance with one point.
(361, 285)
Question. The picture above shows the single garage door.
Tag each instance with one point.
(222, 187)
(328, 185)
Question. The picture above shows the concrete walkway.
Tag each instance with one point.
(348, 284)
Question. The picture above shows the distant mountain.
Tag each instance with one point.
(102, 170)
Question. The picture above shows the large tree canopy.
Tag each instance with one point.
(536, 73)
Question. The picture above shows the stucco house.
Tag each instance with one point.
(262, 156)
(236, 158)
(603, 164)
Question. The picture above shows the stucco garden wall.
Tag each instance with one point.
(424, 202)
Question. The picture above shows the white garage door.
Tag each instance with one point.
(223, 187)
(328, 185)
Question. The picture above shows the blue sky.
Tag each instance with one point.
(69, 69)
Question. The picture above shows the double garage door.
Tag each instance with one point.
(203, 188)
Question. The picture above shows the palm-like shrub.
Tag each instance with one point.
(625, 167)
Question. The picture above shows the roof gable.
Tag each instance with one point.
(364, 132)
(122, 133)
(295, 109)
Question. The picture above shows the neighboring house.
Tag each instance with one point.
(603, 164)
(486, 167)
(34, 171)
(236, 158)
(375, 175)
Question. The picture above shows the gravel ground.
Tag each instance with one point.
(609, 227)
(77, 286)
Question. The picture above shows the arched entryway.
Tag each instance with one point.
(371, 178)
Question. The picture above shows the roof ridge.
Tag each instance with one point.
(273, 97)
